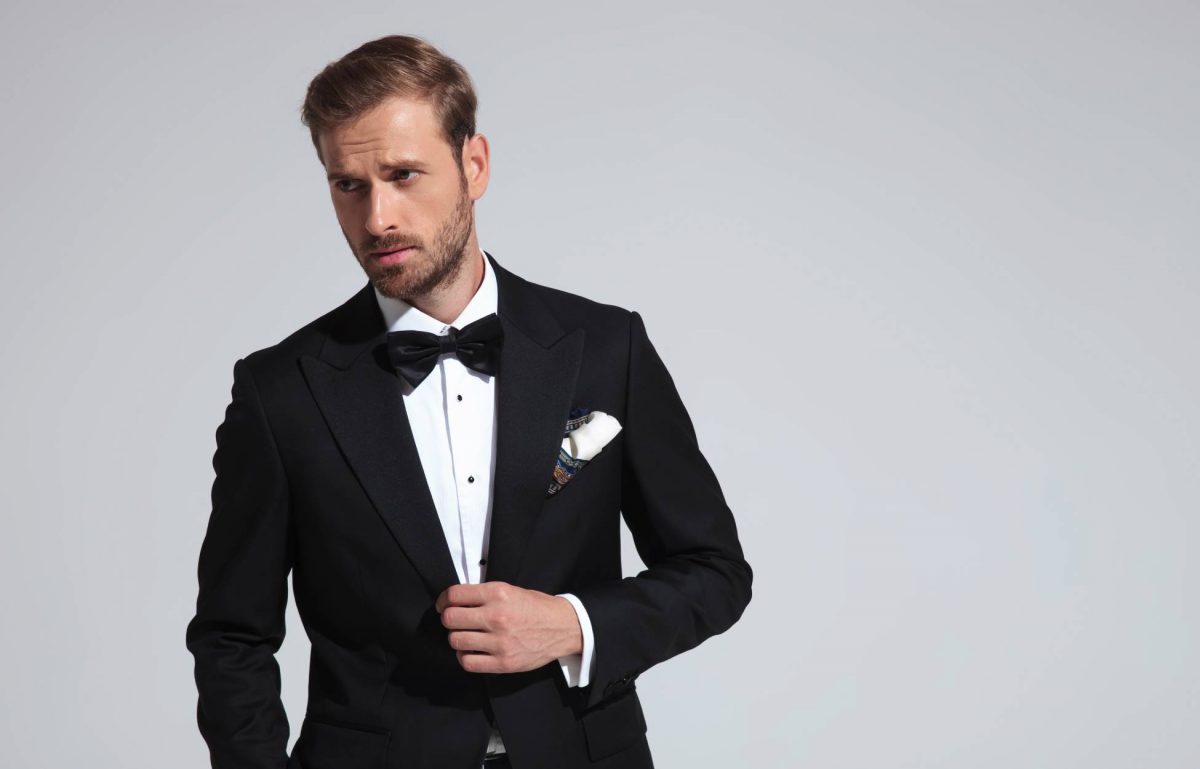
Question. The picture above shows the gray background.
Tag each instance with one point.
(925, 274)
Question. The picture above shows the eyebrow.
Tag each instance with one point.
(396, 165)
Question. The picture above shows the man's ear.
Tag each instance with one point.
(476, 164)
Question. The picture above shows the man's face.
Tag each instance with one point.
(395, 184)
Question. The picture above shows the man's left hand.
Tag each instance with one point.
(496, 627)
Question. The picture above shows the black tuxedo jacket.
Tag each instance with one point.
(317, 474)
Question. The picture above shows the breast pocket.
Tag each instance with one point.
(598, 470)
(328, 745)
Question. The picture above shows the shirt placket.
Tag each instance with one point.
(467, 479)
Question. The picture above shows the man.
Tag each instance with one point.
(417, 459)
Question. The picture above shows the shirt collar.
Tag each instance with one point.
(399, 315)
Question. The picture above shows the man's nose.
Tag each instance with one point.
(384, 212)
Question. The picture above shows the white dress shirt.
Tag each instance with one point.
(453, 418)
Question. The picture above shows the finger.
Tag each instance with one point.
(464, 618)
(473, 641)
(478, 662)
(470, 593)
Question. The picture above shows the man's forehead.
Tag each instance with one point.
(397, 131)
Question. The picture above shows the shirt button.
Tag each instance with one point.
(460, 397)
(470, 479)
(483, 562)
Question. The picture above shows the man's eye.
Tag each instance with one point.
(340, 185)
(406, 171)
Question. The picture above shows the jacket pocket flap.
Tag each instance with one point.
(327, 745)
(614, 725)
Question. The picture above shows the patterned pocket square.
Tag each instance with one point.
(586, 433)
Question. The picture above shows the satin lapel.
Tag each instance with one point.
(361, 398)
(534, 388)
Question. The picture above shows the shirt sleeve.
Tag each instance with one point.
(578, 668)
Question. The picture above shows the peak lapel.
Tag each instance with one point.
(361, 398)
(539, 363)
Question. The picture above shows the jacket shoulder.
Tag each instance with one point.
(577, 310)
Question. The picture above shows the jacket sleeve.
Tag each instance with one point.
(243, 567)
(696, 583)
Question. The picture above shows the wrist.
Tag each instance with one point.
(572, 632)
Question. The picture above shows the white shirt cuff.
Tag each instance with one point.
(578, 668)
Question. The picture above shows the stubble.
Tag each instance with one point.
(432, 267)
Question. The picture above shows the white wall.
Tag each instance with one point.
(925, 274)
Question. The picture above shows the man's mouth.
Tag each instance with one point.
(391, 256)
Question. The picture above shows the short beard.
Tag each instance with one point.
(446, 257)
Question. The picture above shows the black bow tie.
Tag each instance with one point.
(477, 345)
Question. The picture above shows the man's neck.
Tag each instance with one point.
(449, 303)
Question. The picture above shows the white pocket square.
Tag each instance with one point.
(584, 436)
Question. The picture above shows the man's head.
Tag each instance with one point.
(393, 123)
